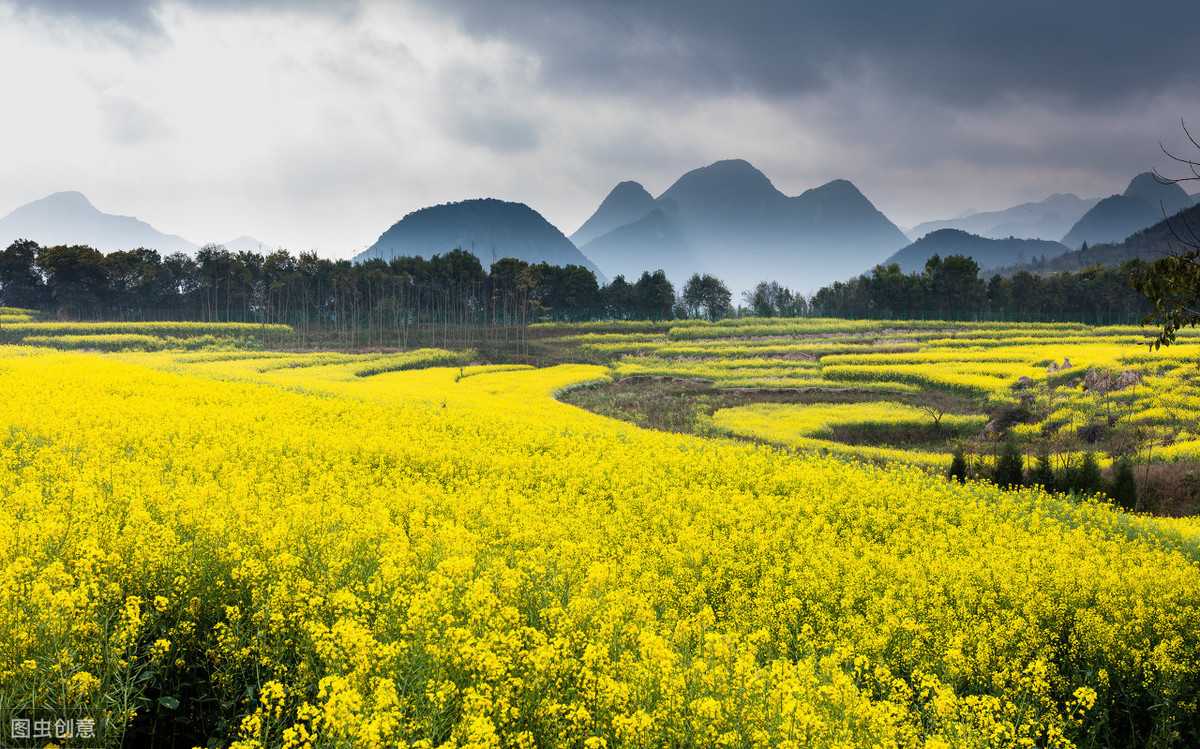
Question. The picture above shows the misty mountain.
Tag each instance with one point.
(248, 244)
(724, 198)
(986, 252)
(1145, 202)
(1047, 219)
(624, 250)
(831, 212)
(490, 229)
(1149, 244)
(69, 218)
(1167, 196)
(627, 203)
(729, 220)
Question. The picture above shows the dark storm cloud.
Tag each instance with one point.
(964, 53)
(960, 52)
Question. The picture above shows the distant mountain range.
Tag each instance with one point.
(1074, 220)
(1047, 219)
(69, 218)
(1149, 244)
(490, 229)
(248, 244)
(987, 252)
(727, 219)
(1145, 202)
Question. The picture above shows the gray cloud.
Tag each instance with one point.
(1084, 53)
(500, 132)
(141, 15)
(137, 15)
(490, 108)
(929, 106)
(1080, 52)
(131, 122)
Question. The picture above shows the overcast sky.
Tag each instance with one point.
(315, 124)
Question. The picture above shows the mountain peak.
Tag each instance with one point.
(839, 189)
(840, 203)
(67, 199)
(61, 205)
(1144, 183)
(840, 184)
(1161, 194)
(626, 190)
(488, 228)
(247, 243)
(1146, 201)
(70, 218)
(723, 198)
(732, 166)
(727, 218)
(730, 176)
(627, 203)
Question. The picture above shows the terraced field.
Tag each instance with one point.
(1029, 381)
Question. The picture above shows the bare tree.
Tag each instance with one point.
(1172, 284)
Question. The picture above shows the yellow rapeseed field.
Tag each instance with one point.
(1041, 368)
(219, 546)
(809, 427)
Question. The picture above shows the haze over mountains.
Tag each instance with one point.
(1148, 244)
(1049, 219)
(1146, 201)
(69, 218)
(628, 202)
(986, 252)
(727, 219)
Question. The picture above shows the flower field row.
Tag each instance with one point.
(720, 370)
(810, 427)
(136, 336)
(197, 549)
(137, 342)
(11, 315)
(419, 359)
(1038, 367)
(181, 329)
(752, 328)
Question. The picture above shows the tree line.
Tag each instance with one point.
(380, 302)
(951, 286)
(376, 302)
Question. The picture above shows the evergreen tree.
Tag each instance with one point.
(1043, 472)
(958, 466)
(1123, 489)
(1010, 468)
(1088, 479)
